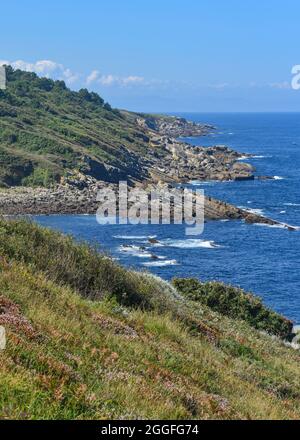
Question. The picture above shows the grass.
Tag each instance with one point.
(105, 342)
(236, 303)
(47, 130)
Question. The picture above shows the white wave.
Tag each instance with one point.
(277, 226)
(254, 157)
(190, 244)
(143, 255)
(148, 243)
(256, 211)
(139, 252)
(129, 248)
(135, 251)
(201, 182)
(282, 212)
(261, 156)
(292, 204)
(133, 237)
(278, 178)
(161, 263)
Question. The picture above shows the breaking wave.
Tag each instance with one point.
(161, 263)
(190, 244)
(134, 237)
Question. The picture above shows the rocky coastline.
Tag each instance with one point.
(173, 126)
(68, 199)
(168, 162)
(170, 159)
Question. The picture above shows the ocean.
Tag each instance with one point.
(261, 259)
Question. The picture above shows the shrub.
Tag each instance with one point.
(40, 177)
(235, 303)
(80, 267)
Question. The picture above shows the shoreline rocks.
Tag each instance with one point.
(65, 199)
(173, 160)
(184, 163)
(168, 161)
(174, 126)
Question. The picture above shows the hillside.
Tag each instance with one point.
(89, 339)
(49, 133)
(46, 129)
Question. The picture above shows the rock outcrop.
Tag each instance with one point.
(71, 198)
(185, 163)
(174, 126)
(173, 160)
(166, 161)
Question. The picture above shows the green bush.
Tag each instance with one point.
(44, 121)
(235, 303)
(80, 267)
(39, 177)
(95, 276)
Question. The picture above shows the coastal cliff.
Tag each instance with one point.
(48, 131)
(58, 147)
(69, 199)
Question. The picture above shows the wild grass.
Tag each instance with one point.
(132, 348)
(46, 129)
(236, 303)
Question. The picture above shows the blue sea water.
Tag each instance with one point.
(261, 259)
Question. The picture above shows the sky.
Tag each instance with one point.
(161, 55)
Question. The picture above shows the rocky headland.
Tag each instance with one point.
(173, 126)
(167, 161)
(82, 199)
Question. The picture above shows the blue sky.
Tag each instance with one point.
(162, 55)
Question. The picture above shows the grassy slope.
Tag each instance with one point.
(138, 350)
(46, 129)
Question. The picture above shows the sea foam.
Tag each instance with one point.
(134, 237)
(161, 263)
(190, 244)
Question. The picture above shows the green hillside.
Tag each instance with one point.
(88, 339)
(47, 129)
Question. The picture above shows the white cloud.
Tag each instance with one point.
(111, 80)
(219, 86)
(52, 69)
(55, 70)
(108, 80)
(47, 68)
(93, 76)
(285, 85)
(133, 80)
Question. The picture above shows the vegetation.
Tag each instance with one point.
(88, 339)
(45, 126)
(235, 303)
